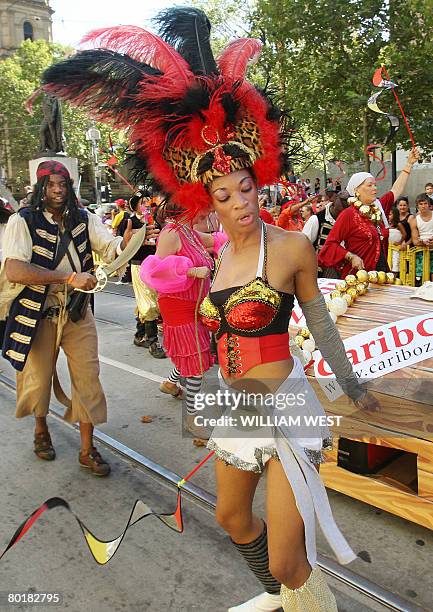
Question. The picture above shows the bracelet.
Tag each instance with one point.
(71, 278)
(406, 171)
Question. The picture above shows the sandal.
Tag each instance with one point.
(94, 462)
(43, 447)
(176, 392)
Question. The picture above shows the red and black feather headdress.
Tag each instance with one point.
(190, 118)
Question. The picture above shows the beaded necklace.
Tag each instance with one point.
(194, 242)
(368, 211)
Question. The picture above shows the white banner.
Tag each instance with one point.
(381, 350)
(326, 286)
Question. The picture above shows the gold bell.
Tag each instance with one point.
(341, 286)
(372, 276)
(364, 209)
(335, 294)
(390, 278)
(351, 280)
(348, 298)
(299, 340)
(361, 288)
(353, 292)
(362, 276)
(381, 277)
(398, 281)
(304, 332)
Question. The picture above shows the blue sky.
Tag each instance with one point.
(73, 18)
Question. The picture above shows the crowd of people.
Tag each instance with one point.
(366, 224)
(217, 261)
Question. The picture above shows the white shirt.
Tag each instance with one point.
(2, 233)
(425, 228)
(311, 228)
(17, 244)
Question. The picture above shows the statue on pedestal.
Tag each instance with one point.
(52, 141)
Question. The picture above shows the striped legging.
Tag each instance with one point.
(193, 385)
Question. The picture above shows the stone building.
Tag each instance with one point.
(21, 20)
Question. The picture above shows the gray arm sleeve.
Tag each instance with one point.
(328, 341)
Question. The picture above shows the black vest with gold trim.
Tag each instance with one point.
(26, 310)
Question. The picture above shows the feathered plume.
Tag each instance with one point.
(188, 31)
(168, 95)
(145, 47)
(101, 82)
(236, 57)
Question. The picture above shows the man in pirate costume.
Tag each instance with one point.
(210, 139)
(47, 254)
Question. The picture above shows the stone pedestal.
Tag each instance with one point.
(71, 163)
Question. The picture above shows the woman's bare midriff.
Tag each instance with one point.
(270, 374)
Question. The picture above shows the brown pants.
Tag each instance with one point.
(80, 344)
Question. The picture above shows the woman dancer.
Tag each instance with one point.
(210, 139)
(253, 350)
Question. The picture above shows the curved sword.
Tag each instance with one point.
(105, 270)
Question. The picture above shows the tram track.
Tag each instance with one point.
(342, 575)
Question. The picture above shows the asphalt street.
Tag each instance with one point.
(156, 569)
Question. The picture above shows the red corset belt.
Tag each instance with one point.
(176, 312)
(238, 354)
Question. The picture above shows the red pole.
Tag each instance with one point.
(401, 109)
(197, 467)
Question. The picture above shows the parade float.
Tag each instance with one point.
(383, 458)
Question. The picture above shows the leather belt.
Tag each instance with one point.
(50, 313)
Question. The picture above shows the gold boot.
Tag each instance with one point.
(313, 596)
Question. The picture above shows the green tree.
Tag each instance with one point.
(19, 77)
(322, 56)
(229, 20)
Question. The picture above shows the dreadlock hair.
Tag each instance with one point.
(71, 216)
(4, 213)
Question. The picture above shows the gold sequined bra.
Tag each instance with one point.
(254, 309)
